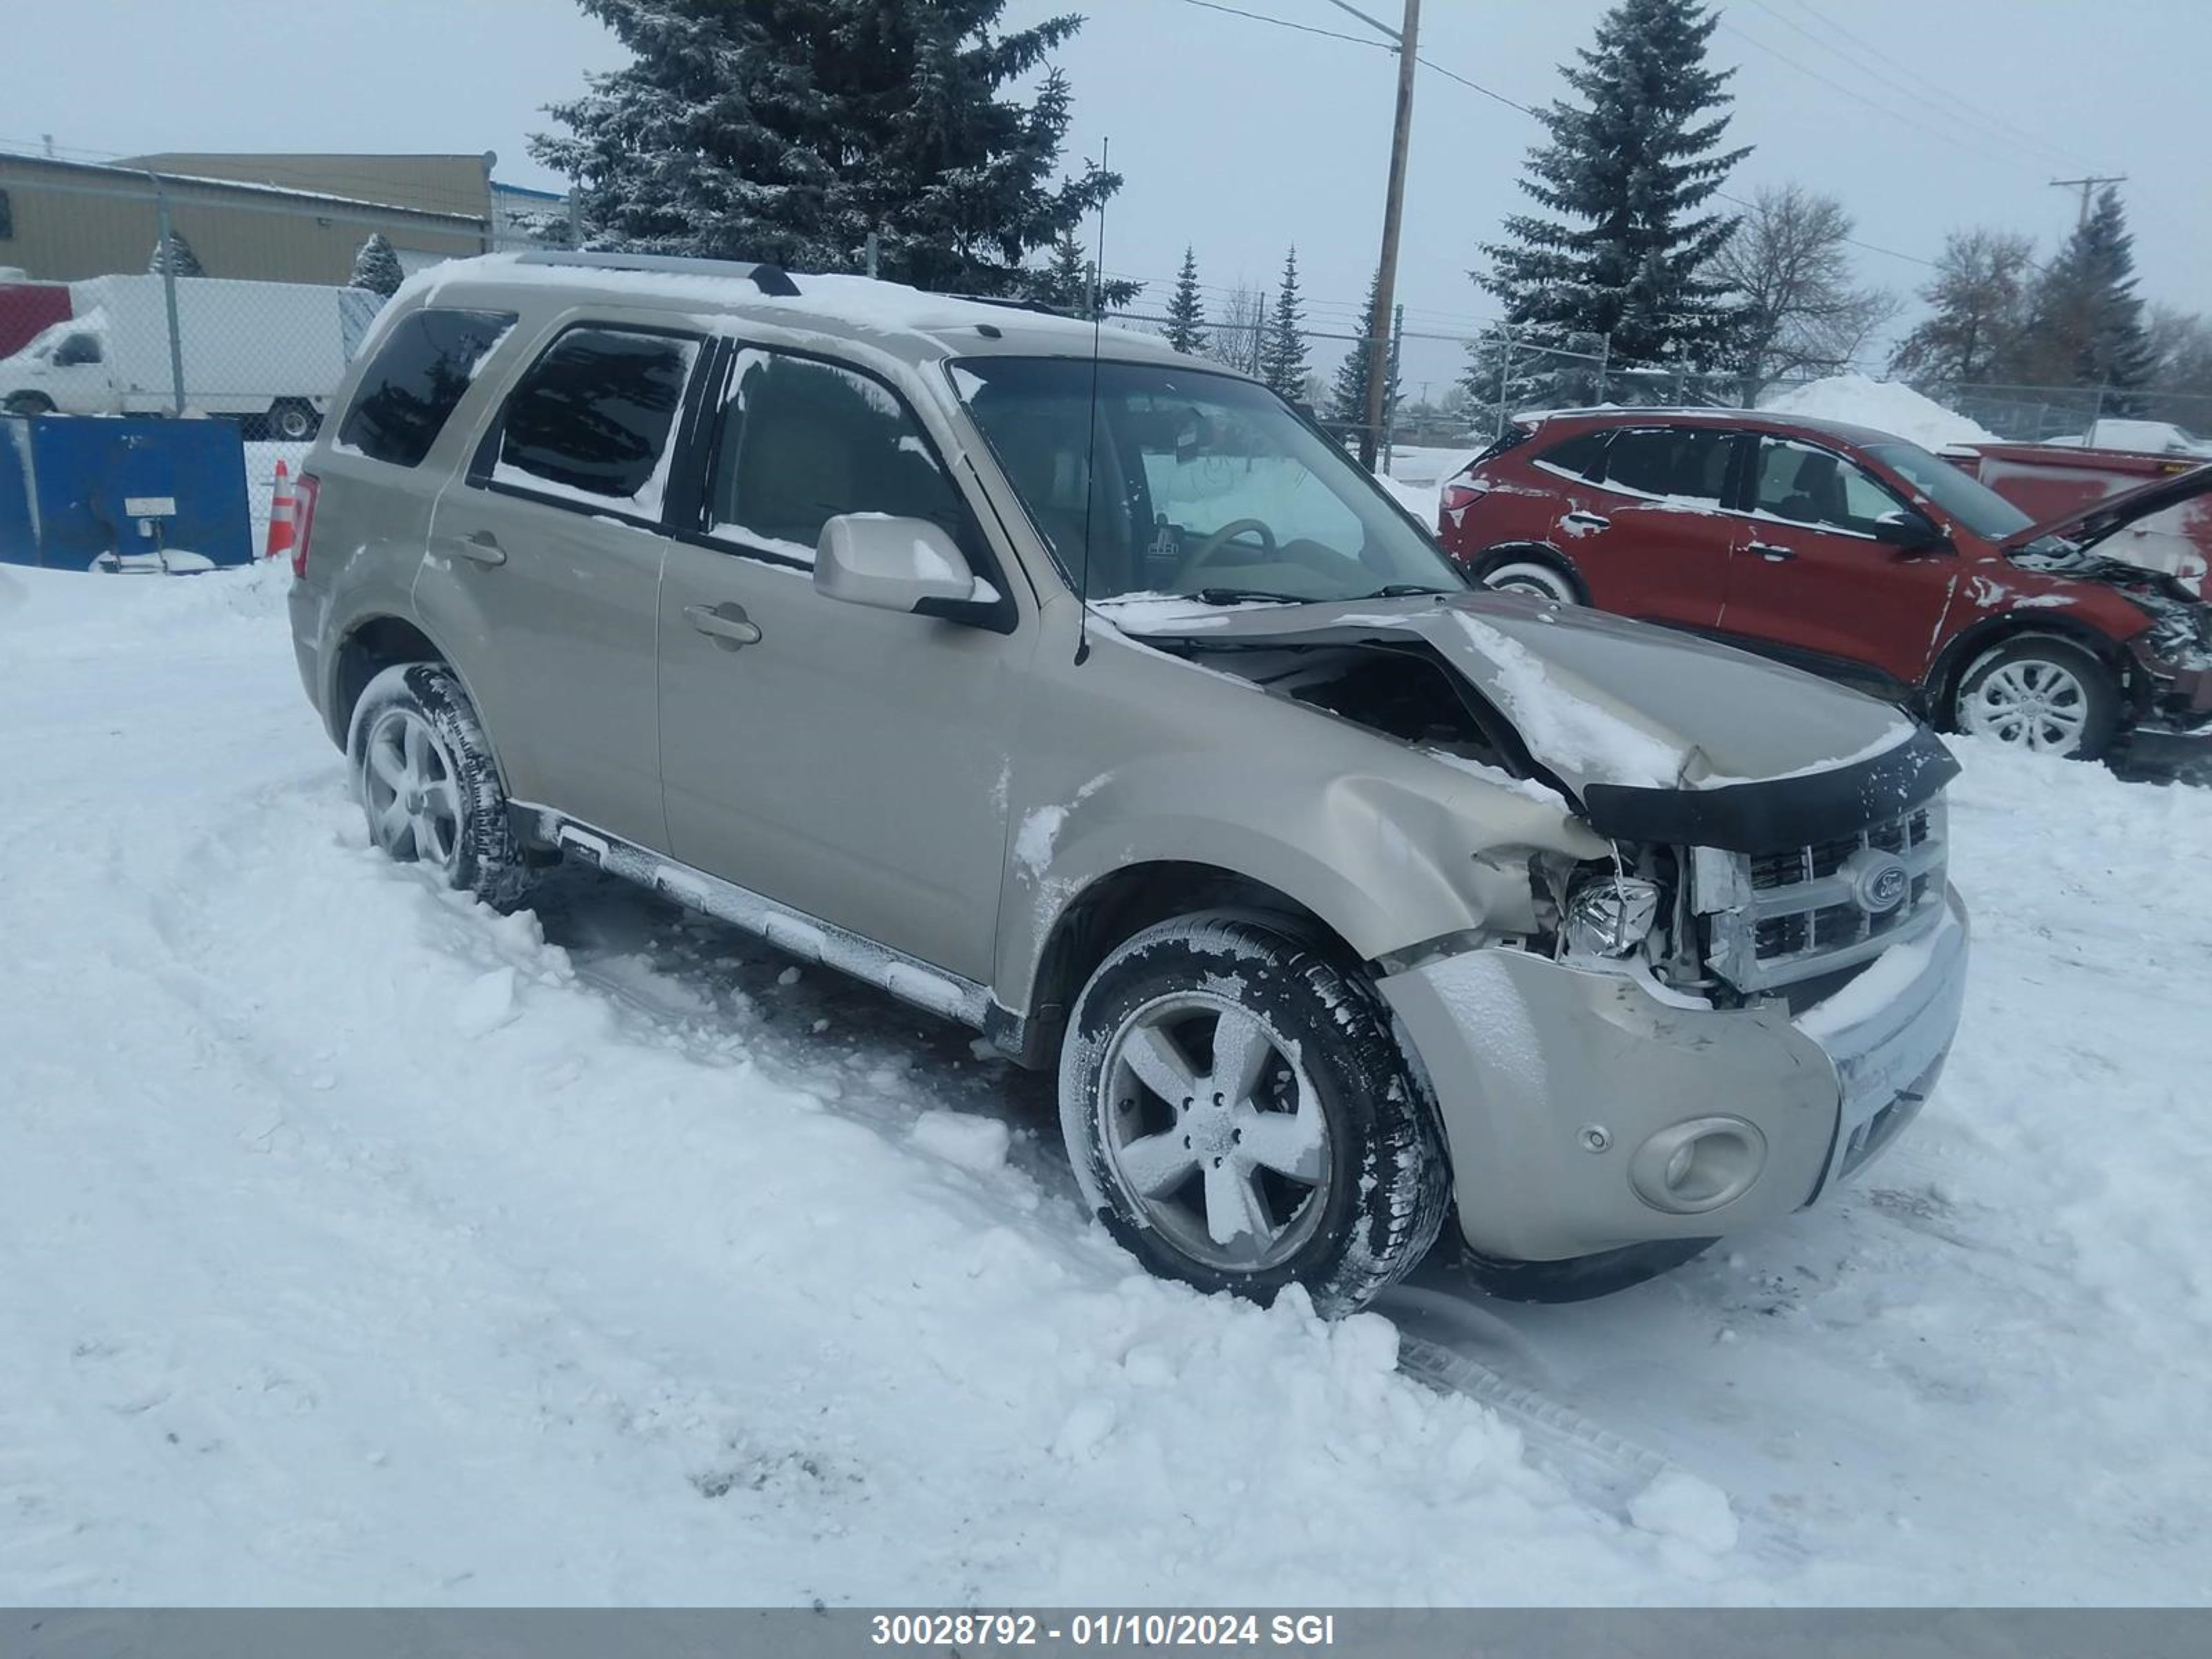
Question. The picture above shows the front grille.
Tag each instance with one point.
(1778, 916)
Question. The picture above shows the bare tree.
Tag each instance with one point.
(1980, 296)
(2182, 341)
(1240, 328)
(1791, 259)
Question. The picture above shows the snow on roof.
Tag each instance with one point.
(1885, 405)
(864, 304)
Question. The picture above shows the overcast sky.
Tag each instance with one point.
(1239, 137)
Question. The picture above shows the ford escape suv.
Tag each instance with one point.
(1102, 703)
(1860, 555)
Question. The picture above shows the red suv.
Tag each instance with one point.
(1856, 555)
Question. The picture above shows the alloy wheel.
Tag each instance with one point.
(2030, 704)
(1214, 1132)
(410, 791)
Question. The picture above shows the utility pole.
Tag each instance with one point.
(2085, 186)
(1407, 44)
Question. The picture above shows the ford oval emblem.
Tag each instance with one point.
(1881, 886)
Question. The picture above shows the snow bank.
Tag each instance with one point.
(1887, 406)
(359, 1246)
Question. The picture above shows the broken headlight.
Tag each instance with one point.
(1609, 914)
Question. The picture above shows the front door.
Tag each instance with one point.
(850, 762)
(1809, 580)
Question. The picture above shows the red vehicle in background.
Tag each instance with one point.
(2049, 480)
(26, 309)
(1859, 556)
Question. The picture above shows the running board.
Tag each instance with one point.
(793, 932)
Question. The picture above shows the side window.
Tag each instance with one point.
(593, 417)
(78, 348)
(803, 441)
(1578, 455)
(1812, 486)
(1680, 463)
(420, 371)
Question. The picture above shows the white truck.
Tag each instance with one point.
(269, 354)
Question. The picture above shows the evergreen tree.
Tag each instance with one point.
(1185, 312)
(790, 130)
(175, 256)
(1977, 303)
(1064, 284)
(1627, 254)
(1348, 397)
(2086, 325)
(376, 266)
(1283, 359)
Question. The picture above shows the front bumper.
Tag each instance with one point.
(1562, 1088)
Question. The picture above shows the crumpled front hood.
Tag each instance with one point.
(1597, 699)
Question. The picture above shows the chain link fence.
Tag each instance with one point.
(141, 294)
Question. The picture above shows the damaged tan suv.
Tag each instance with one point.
(1102, 702)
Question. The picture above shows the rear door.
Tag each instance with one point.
(1650, 541)
(1807, 580)
(848, 761)
(544, 571)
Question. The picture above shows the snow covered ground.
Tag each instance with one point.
(357, 1245)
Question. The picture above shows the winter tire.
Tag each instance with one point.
(427, 785)
(1522, 573)
(1581, 1278)
(1240, 1117)
(2047, 696)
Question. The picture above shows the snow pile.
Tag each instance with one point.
(357, 1245)
(1885, 405)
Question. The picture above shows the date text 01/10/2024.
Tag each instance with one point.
(1105, 1630)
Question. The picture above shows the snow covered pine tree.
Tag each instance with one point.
(1627, 174)
(376, 266)
(1283, 360)
(1186, 310)
(174, 256)
(1348, 397)
(792, 131)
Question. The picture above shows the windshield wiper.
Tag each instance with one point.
(1402, 591)
(1241, 596)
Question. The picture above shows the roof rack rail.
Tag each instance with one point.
(768, 279)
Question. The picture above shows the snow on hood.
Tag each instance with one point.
(1597, 699)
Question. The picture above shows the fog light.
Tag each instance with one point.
(1699, 1164)
(1609, 916)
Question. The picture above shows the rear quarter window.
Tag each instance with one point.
(416, 380)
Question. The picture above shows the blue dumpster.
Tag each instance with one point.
(81, 491)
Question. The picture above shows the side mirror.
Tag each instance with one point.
(892, 564)
(1908, 532)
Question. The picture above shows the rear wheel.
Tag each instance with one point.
(1526, 573)
(427, 783)
(2046, 695)
(1239, 1116)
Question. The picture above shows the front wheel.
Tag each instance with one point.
(29, 403)
(2046, 695)
(1240, 1117)
(1516, 573)
(427, 783)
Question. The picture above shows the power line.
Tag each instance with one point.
(1949, 93)
(1285, 23)
(1989, 129)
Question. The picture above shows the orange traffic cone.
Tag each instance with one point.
(280, 515)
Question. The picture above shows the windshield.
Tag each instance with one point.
(1205, 485)
(1966, 500)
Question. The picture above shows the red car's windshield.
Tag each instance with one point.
(1968, 501)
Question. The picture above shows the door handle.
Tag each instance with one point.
(1771, 553)
(728, 625)
(481, 547)
(1587, 521)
